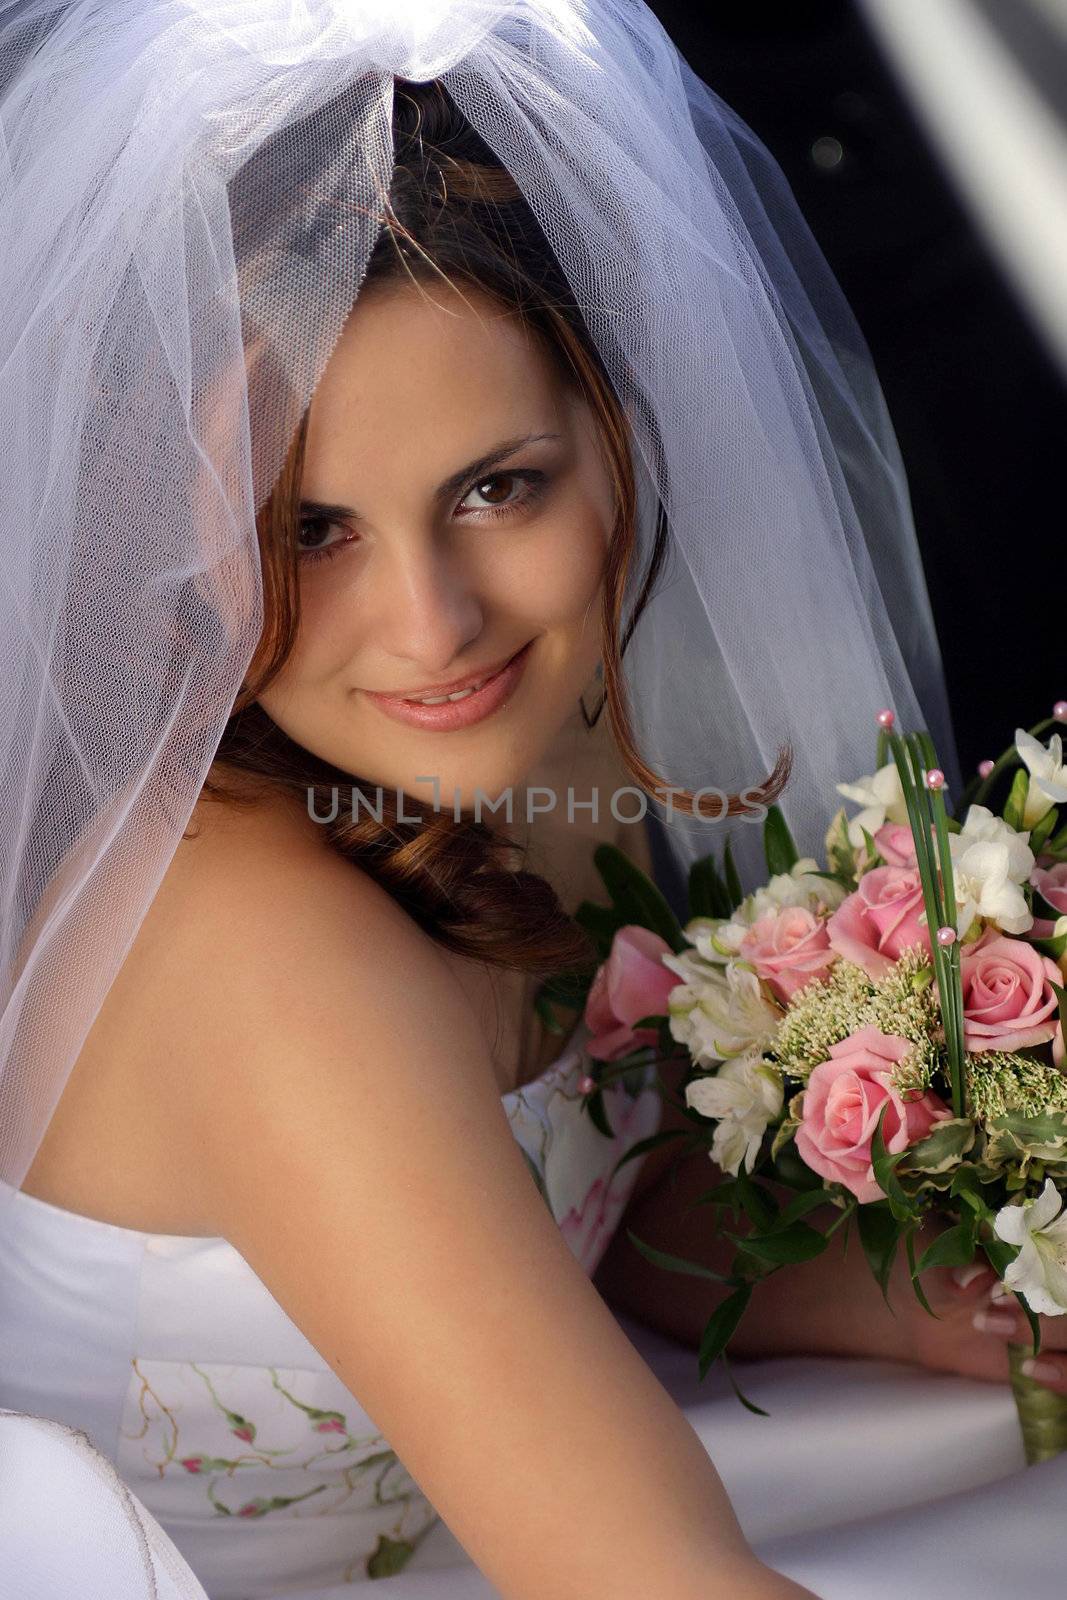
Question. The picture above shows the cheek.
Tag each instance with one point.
(561, 579)
(331, 620)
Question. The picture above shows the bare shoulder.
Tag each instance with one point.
(349, 1138)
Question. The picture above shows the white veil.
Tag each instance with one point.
(166, 309)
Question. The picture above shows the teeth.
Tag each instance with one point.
(460, 694)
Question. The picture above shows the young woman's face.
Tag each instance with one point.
(418, 566)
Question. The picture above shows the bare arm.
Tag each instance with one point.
(348, 1134)
(827, 1307)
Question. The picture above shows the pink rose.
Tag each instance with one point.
(875, 925)
(1007, 999)
(789, 948)
(632, 983)
(896, 844)
(1051, 884)
(843, 1101)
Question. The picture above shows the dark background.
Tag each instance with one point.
(979, 408)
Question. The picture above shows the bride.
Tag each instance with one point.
(346, 467)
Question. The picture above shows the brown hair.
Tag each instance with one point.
(454, 211)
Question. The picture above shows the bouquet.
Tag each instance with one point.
(883, 1033)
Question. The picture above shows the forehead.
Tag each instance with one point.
(424, 360)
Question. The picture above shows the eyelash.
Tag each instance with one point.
(535, 486)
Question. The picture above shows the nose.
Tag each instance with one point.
(429, 611)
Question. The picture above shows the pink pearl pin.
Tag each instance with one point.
(1059, 711)
(946, 936)
(886, 718)
(935, 778)
(587, 1085)
(985, 768)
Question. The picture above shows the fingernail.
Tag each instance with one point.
(993, 1322)
(1042, 1371)
(1000, 1291)
(965, 1275)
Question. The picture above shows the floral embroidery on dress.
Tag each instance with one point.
(193, 1414)
(571, 1161)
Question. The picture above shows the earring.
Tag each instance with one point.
(591, 721)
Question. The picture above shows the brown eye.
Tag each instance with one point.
(499, 491)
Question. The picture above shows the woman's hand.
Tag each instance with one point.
(976, 1319)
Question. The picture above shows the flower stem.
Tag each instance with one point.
(926, 813)
(1042, 1412)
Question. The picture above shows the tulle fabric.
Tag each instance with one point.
(189, 192)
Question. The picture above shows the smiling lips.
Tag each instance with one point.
(469, 706)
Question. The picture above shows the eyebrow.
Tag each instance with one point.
(506, 447)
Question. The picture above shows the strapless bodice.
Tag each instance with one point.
(174, 1358)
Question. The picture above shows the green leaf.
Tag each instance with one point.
(1015, 804)
(707, 892)
(943, 1148)
(799, 1242)
(967, 1184)
(759, 1207)
(783, 1134)
(884, 1166)
(594, 1104)
(778, 847)
(733, 881)
(721, 1327)
(909, 1242)
(601, 922)
(653, 1141)
(793, 1170)
(1041, 830)
(879, 1234)
(635, 897)
(749, 1405)
(874, 855)
(674, 1263)
(723, 1194)
(799, 1207)
(389, 1556)
(953, 1248)
(999, 1255)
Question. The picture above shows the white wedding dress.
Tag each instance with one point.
(246, 1470)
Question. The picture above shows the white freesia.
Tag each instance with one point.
(990, 862)
(982, 825)
(1039, 1271)
(746, 1094)
(1048, 775)
(718, 939)
(882, 797)
(719, 1012)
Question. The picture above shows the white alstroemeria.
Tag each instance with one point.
(1048, 775)
(718, 939)
(723, 1014)
(1039, 1271)
(984, 888)
(746, 1094)
(882, 797)
(990, 862)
